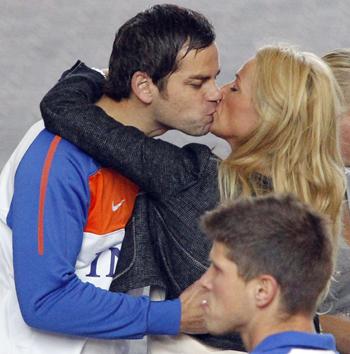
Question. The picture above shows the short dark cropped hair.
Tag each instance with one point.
(150, 42)
(279, 236)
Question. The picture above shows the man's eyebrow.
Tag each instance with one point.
(198, 77)
(202, 77)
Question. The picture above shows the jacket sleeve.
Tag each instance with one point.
(156, 166)
(51, 296)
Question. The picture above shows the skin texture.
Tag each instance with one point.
(189, 100)
(228, 306)
(236, 117)
(192, 315)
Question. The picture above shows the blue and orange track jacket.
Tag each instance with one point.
(64, 215)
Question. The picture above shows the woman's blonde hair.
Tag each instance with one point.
(296, 141)
(339, 62)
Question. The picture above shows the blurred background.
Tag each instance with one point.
(40, 39)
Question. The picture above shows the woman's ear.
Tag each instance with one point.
(142, 87)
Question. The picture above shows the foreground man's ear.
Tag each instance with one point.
(266, 289)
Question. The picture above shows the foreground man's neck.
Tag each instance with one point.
(257, 333)
(131, 113)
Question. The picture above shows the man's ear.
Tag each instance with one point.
(266, 289)
(142, 87)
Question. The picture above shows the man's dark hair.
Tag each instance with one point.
(279, 236)
(150, 42)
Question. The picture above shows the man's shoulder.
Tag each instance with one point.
(62, 156)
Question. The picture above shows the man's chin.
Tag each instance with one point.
(217, 331)
(212, 128)
(204, 132)
(206, 129)
(197, 132)
(214, 329)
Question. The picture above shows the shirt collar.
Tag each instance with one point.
(297, 340)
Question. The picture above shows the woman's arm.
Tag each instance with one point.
(156, 166)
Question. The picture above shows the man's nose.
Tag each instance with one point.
(205, 279)
(215, 93)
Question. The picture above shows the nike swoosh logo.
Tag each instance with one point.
(115, 207)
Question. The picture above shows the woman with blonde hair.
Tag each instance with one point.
(294, 140)
(279, 115)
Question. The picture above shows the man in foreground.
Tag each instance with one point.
(272, 260)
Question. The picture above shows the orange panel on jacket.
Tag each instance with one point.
(112, 201)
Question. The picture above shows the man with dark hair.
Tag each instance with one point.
(271, 264)
(64, 214)
(154, 42)
(163, 64)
